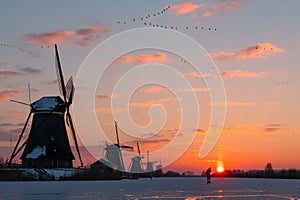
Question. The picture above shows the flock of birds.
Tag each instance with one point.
(146, 22)
(16, 47)
(23, 50)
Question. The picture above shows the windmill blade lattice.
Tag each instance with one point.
(60, 78)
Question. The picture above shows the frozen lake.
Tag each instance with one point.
(157, 188)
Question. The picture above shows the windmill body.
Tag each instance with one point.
(114, 157)
(135, 166)
(48, 144)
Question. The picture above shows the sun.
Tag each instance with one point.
(220, 169)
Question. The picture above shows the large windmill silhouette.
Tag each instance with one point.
(47, 145)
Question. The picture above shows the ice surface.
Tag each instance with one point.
(157, 188)
(37, 152)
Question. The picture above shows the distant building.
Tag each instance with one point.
(188, 173)
(172, 174)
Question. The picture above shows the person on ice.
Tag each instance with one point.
(208, 176)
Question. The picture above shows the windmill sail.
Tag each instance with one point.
(60, 78)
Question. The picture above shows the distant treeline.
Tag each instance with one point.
(290, 173)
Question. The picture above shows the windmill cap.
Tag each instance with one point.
(49, 104)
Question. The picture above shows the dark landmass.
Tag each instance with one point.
(99, 171)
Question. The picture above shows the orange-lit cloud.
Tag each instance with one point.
(261, 50)
(79, 37)
(234, 103)
(153, 90)
(8, 94)
(241, 74)
(193, 74)
(235, 129)
(185, 8)
(142, 104)
(194, 90)
(104, 96)
(158, 89)
(151, 103)
(200, 131)
(222, 5)
(6, 73)
(143, 58)
(110, 110)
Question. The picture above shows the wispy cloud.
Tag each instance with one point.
(29, 70)
(185, 8)
(234, 103)
(151, 103)
(143, 58)
(261, 50)
(273, 128)
(7, 73)
(221, 6)
(241, 74)
(142, 104)
(200, 131)
(153, 90)
(8, 94)
(110, 110)
(158, 89)
(104, 96)
(79, 37)
(238, 73)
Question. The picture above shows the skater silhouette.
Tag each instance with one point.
(208, 171)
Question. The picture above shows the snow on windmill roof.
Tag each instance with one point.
(49, 104)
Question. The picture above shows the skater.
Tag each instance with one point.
(208, 171)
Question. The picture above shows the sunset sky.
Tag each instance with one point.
(254, 46)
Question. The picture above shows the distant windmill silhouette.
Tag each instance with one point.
(149, 164)
(136, 166)
(113, 155)
(47, 145)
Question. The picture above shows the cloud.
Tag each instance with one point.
(153, 90)
(222, 5)
(193, 74)
(241, 74)
(158, 89)
(143, 58)
(230, 129)
(261, 50)
(6, 73)
(200, 131)
(8, 94)
(29, 70)
(185, 8)
(233, 103)
(142, 104)
(10, 131)
(79, 37)
(50, 82)
(109, 110)
(273, 128)
(193, 90)
(104, 96)
(151, 103)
